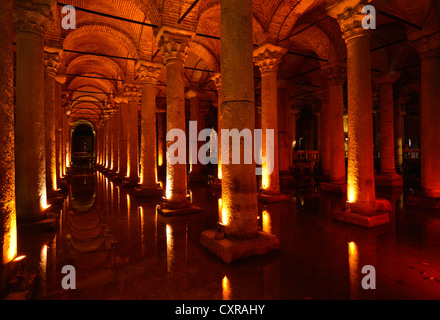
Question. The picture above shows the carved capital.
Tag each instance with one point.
(132, 92)
(268, 57)
(33, 16)
(428, 45)
(148, 71)
(335, 73)
(349, 15)
(174, 43)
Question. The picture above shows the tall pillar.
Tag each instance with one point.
(361, 194)
(31, 22)
(239, 190)
(107, 139)
(174, 45)
(324, 152)
(52, 61)
(388, 176)
(267, 58)
(161, 139)
(292, 132)
(8, 226)
(98, 145)
(428, 45)
(123, 134)
(398, 133)
(60, 80)
(148, 73)
(132, 93)
(115, 140)
(335, 73)
(217, 79)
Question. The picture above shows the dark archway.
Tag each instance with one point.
(83, 144)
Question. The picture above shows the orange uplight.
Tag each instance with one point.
(19, 258)
(170, 246)
(10, 237)
(43, 202)
(353, 266)
(267, 222)
(219, 169)
(226, 289)
(160, 160)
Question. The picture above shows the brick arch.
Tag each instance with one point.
(106, 65)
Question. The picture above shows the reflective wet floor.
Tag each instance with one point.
(121, 248)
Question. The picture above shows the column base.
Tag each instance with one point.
(144, 192)
(230, 250)
(378, 218)
(217, 184)
(272, 198)
(422, 201)
(392, 180)
(130, 183)
(168, 209)
(334, 187)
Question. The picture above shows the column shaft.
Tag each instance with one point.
(123, 113)
(387, 164)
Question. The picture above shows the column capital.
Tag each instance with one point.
(389, 76)
(148, 71)
(217, 79)
(174, 43)
(33, 16)
(132, 92)
(349, 15)
(427, 44)
(335, 72)
(268, 57)
(192, 92)
(52, 57)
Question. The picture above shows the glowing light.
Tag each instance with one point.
(170, 247)
(141, 216)
(351, 191)
(43, 202)
(267, 222)
(219, 170)
(226, 289)
(353, 266)
(43, 263)
(168, 193)
(160, 160)
(19, 258)
(223, 212)
(10, 235)
(265, 178)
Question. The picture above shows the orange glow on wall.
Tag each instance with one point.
(43, 201)
(353, 268)
(226, 289)
(170, 246)
(168, 188)
(267, 222)
(219, 169)
(160, 160)
(10, 235)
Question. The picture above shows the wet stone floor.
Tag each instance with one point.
(121, 248)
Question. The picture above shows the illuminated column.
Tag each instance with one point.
(428, 45)
(388, 176)
(239, 189)
(174, 45)
(324, 152)
(360, 174)
(148, 73)
(98, 145)
(194, 107)
(335, 73)
(217, 79)
(107, 139)
(292, 132)
(398, 133)
(115, 140)
(31, 22)
(161, 123)
(132, 93)
(8, 227)
(123, 132)
(267, 58)
(52, 61)
(59, 126)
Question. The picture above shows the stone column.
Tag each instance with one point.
(107, 139)
(161, 139)
(388, 176)
(360, 174)
(8, 226)
(428, 45)
(292, 131)
(98, 146)
(31, 22)
(59, 127)
(174, 45)
(195, 174)
(398, 134)
(133, 95)
(217, 79)
(148, 73)
(324, 152)
(123, 133)
(115, 140)
(267, 58)
(52, 61)
(239, 190)
(335, 73)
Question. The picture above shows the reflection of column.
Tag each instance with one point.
(174, 45)
(132, 93)
(148, 74)
(335, 73)
(52, 61)
(388, 176)
(292, 131)
(217, 79)
(360, 174)
(428, 45)
(239, 190)
(8, 229)
(31, 22)
(268, 57)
